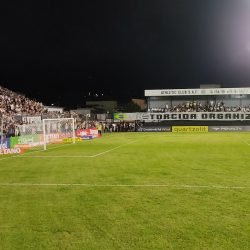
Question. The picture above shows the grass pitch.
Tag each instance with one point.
(129, 191)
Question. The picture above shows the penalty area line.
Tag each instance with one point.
(107, 151)
(122, 185)
(55, 156)
(24, 155)
(76, 156)
(245, 142)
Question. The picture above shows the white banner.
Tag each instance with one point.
(32, 119)
(193, 92)
(195, 116)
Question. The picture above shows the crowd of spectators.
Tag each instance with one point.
(194, 106)
(14, 106)
(106, 126)
(12, 103)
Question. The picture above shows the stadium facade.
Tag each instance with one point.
(220, 108)
(230, 97)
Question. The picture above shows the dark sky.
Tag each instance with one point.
(58, 51)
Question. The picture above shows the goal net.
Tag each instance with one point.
(49, 131)
(61, 130)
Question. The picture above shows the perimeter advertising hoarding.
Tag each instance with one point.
(228, 128)
(10, 151)
(154, 129)
(87, 132)
(189, 129)
(26, 141)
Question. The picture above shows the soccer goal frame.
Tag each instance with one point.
(1, 131)
(45, 134)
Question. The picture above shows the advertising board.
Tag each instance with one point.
(26, 141)
(154, 129)
(228, 128)
(87, 132)
(10, 151)
(189, 129)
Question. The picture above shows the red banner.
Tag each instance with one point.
(87, 132)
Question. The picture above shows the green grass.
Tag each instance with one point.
(203, 203)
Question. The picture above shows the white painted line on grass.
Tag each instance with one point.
(107, 151)
(243, 140)
(14, 156)
(68, 156)
(122, 185)
(33, 151)
(55, 156)
(246, 142)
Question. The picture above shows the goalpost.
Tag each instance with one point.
(58, 130)
(1, 131)
(48, 131)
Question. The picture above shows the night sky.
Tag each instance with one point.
(59, 51)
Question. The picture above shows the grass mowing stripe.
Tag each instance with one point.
(125, 185)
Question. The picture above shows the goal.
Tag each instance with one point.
(60, 130)
(48, 131)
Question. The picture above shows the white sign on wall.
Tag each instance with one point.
(196, 116)
(175, 116)
(193, 92)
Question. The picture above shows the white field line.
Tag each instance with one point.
(107, 151)
(14, 156)
(55, 156)
(73, 156)
(80, 156)
(244, 141)
(122, 185)
(35, 151)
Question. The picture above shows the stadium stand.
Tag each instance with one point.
(195, 106)
(13, 104)
(15, 107)
(17, 110)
